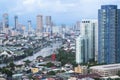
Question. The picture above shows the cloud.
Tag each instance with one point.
(61, 10)
(59, 6)
(29, 6)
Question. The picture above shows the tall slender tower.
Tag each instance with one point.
(109, 34)
(16, 22)
(48, 21)
(49, 25)
(87, 41)
(79, 49)
(29, 27)
(77, 28)
(89, 33)
(39, 28)
(5, 23)
(1, 27)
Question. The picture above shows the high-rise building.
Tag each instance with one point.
(78, 25)
(5, 20)
(1, 27)
(21, 29)
(5, 23)
(88, 40)
(81, 49)
(49, 25)
(29, 26)
(77, 30)
(89, 29)
(16, 22)
(109, 34)
(39, 28)
(48, 21)
(63, 28)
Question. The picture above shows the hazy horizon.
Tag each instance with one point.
(62, 11)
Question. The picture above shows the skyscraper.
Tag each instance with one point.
(39, 28)
(48, 21)
(63, 30)
(16, 22)
(78, 50)
(77, 31)
(49, 25)
(89, 30)
(81, 49)
(29, 27)
(87, 41)
(109, 34)
(1, 27)
(5, 23)
(5, 20)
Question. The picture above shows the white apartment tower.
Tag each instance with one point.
(89, 40)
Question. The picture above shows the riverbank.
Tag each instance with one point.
(43, 52)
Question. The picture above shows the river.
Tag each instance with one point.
(43, 52)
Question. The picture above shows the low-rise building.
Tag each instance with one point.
(87, 78)
(81, 69)
(2, 79)
(106, 70)
(34, 70)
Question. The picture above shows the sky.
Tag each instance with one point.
(62, 11)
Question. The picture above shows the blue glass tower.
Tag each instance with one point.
(118, 37)
(109, 34)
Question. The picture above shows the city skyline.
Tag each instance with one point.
(83, 37)
(60, 10)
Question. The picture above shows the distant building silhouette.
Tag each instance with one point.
(5, 23)
(16, 22)
(39, 28)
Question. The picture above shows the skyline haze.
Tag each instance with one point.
(62, 12)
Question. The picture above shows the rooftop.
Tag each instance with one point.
(106, 67)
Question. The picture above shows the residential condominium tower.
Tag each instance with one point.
(88, 40)
(5, 23)
(109, 34)
(39, 28)
(81, 50)
(79, 45)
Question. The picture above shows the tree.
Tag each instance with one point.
(28, 52)
(117, 79)
(12, 66)
(9, 73)
(49, 64)
(51, 73)
(65, 57)
(27, 62)
(96, 78)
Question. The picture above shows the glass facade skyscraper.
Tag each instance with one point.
(109, 34)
